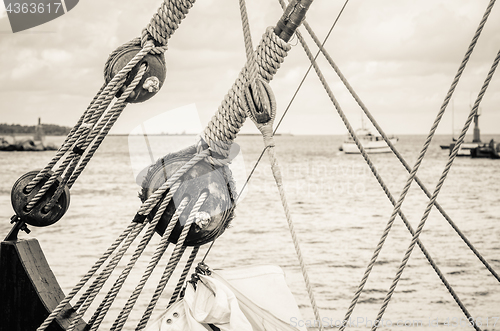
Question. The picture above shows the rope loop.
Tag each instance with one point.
(215, 158)
(167, 19)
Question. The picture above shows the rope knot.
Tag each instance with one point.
(221, 157)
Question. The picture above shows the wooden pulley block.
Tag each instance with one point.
(266, 111)
(152, 80)
(38, 216)
(216, 212)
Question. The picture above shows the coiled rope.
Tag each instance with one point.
(230, 116)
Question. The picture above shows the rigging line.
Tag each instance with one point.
(396, 152)
(284, 114)
(386, 191)
(310, 66)
(173, 262)
(424, 149)
(437, 190)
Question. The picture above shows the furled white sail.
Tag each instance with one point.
(240, 299)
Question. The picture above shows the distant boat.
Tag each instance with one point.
(490, 150)
(372, 144)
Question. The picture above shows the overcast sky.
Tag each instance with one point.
(399, 55)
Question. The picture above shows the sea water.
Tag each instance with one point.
(339, 212)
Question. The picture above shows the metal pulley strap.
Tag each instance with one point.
(294, 14)
(259, 100)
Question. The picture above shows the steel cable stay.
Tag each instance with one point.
(389, 195)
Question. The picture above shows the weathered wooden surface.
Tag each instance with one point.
(28, 289)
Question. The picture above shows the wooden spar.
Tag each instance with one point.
(293, 16)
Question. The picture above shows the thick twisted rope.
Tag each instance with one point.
(68, 142)
(437, 190)
(252, 64)
(230, 116)
(390, 196)
(86, 300)
(138, 252)
(155, 259)
(131, 234)
(395, 151)
(267, 133)
(134, 229)
(383, 186)
(174, 260)
(107, 122)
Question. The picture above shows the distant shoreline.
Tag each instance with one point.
(42, 128)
